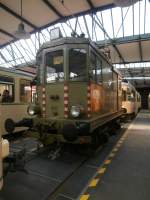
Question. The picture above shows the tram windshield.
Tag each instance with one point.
(54, 66)
(77, 64)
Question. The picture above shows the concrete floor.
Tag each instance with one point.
(128, 175)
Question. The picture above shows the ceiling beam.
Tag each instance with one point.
(51, 7)
(126, 39)
(145, 82)
(65, 18)
(3, 57)
(118, 52)
(128, 62)
(143, 86)
(6, 33)
(90, 4)
(16, 15)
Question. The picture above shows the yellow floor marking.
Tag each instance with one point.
(112, 155)
(85, 197)
(102, 171)
(107, 162)
(123, 138)
(118, 145)
(94, 182)
(115, 149)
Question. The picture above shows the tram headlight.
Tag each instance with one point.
(76, 111)
(33, 109)
(30, 110)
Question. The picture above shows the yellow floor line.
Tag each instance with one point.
(102, 170)
(107, 162)
(115, 149)
(94, 182)
(85, 197)
(111, 155)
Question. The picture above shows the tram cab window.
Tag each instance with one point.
(25, 91)
(54, 66)
(77, 64)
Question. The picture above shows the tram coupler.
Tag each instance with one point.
(10, 125)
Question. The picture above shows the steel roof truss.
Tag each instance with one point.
(51, 7)
(91, 5)
(87, 30)
(26, 51)
(112, 22)
(6, 33)
(115, 47)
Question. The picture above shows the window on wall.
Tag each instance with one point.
(131, 96)
(77, 64)
(98, 70)
(95, 71)
(25, 91)
(6, 89)
(124, 94)
(92, 70)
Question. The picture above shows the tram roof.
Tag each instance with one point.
(65, 40)
(16, 71)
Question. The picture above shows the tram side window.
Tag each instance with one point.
(77, 64)
(124, 94)
(92, 70)
(25, 91)
(6, 93)
(98, 70)
(131, 97)
(6, 89)
(54, 66)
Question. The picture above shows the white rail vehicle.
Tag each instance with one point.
(131, 99)
(4, 152)
(17, 84)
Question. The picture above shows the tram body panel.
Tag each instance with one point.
(12, 111)
(18, 85)
(1, 166)
(129, 106)
(131, 100)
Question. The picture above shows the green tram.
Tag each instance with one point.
(78, 93)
